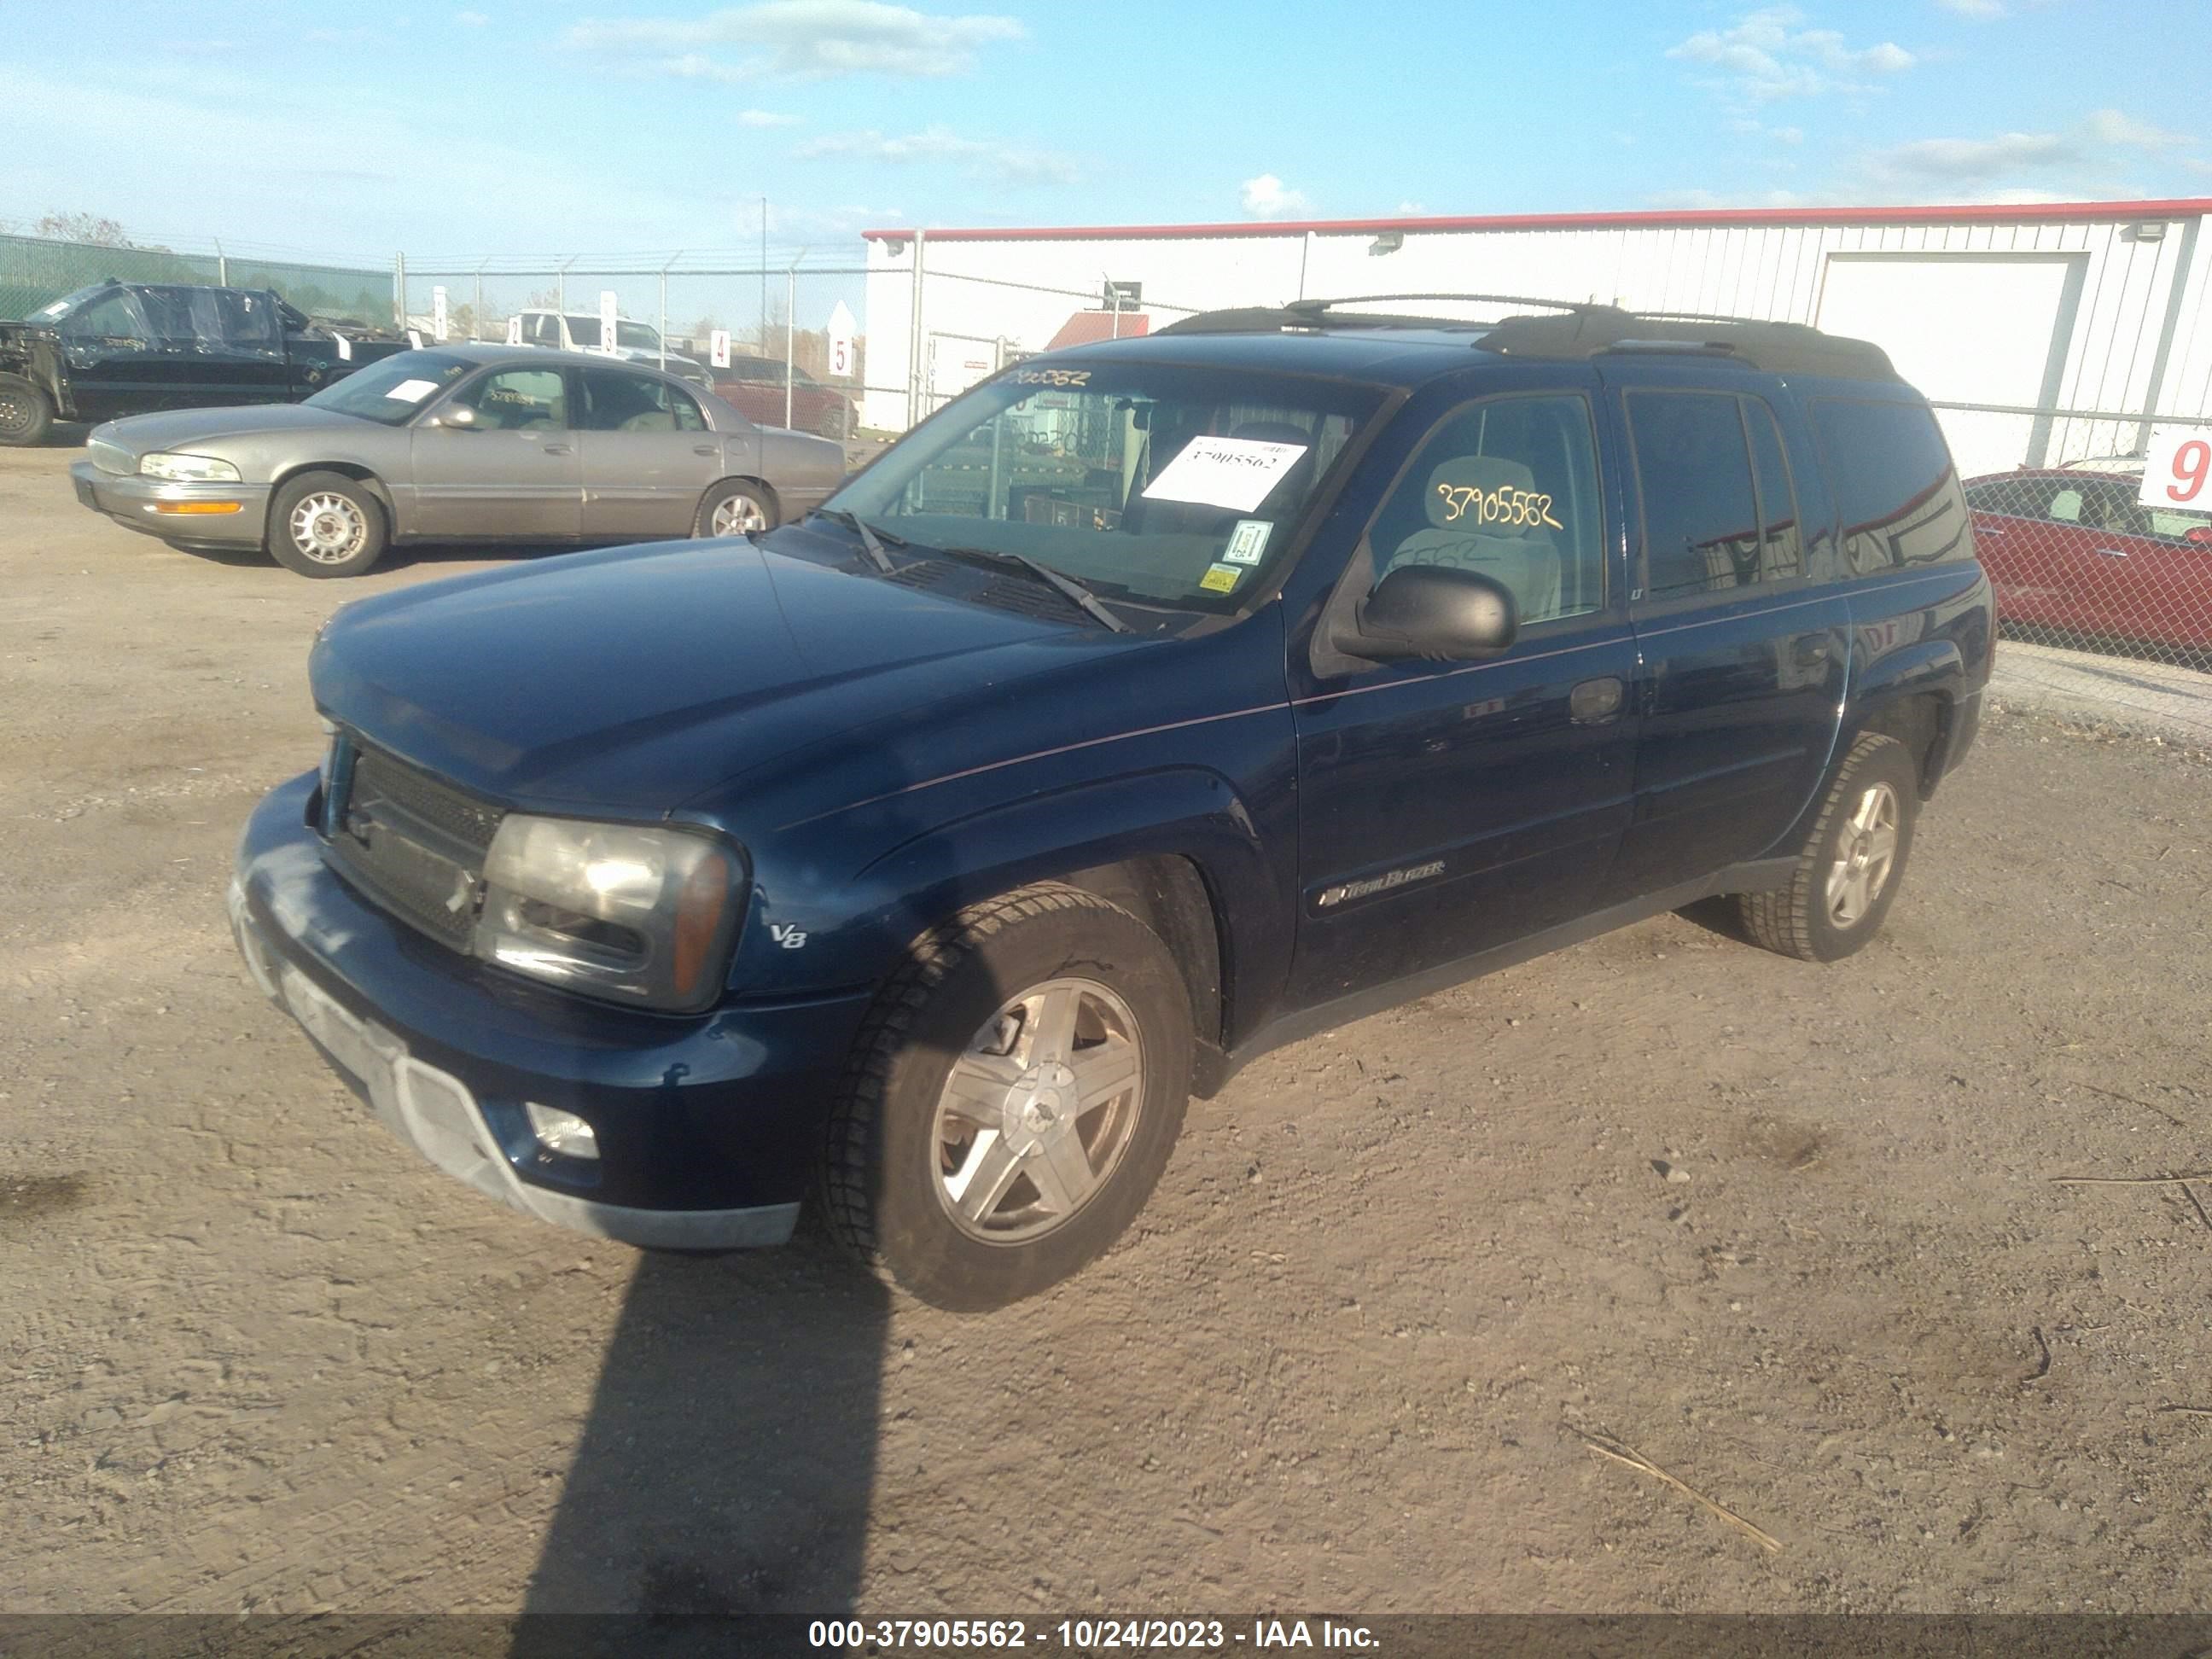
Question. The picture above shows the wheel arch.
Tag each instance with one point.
(354, 470)
(1911, 694)
(1176, 848)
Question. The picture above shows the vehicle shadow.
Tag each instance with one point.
(728, 1461)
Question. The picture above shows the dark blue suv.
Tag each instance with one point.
(1155, 703)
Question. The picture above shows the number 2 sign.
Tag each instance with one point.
(2178, 468)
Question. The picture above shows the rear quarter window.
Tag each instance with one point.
(1896, 491)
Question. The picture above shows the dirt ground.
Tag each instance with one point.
(256, 1357)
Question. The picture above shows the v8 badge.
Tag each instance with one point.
(790, 938)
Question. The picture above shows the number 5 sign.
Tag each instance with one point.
(2178, 468)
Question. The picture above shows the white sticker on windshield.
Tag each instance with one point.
(345, 349)
(412, 391)
(1232, 472)
(1247, 542)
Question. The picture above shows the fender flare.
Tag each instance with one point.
(1185, 812)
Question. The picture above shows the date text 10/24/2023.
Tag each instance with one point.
(1087, 1635)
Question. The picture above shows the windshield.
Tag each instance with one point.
(637, 336)
(1161, 485)
(390, 391)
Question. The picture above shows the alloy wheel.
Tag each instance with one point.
(740, 515)
(1038, 1111)
(1868, 853)
(328, 528)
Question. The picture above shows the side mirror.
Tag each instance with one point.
(2201, 535)
(459, 417)
(1434, 612)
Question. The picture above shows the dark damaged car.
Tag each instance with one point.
(1155, 703)
(121, 349)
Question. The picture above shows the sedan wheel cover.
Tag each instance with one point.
(328, 529)
(14, 413)
(1868, 854)
(740, 515)
(1037, 1114)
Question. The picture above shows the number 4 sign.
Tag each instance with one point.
(2178, 468)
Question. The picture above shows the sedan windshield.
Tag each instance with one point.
(634, 336)
(1148, 483)
(389, 392)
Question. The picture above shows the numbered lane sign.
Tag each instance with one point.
(2178, 468)
(438, 314)
(515, 330)
(610, 309)
(718, 348)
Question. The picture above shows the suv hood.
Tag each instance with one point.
(182, 428)
(632, 679)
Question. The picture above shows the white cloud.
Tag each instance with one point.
(1020, 164)
(1765, 56)
(765, 118)
(1980, 10)
(802, 40)
(1752, 129)
(471, 20)
(1967, 159)
(1412, 210)
(2109, 126)
(1267, 197)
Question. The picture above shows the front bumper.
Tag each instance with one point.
(708, 1126)
(205, 514)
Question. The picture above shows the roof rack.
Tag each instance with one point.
(1580, 329)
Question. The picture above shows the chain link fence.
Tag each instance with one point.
(35, 272)
(2100, 540)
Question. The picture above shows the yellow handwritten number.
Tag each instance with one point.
(1521, 509)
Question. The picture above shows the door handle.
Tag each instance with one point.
(704, 449)
(2111, 552)
(1595, 702)
(556, 449)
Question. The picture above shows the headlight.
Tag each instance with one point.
(637, 915)
(187, 469)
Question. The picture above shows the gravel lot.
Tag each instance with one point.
(258, 1358)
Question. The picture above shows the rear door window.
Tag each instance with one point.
(616, 400)
(1895, 488)
(1701, 518)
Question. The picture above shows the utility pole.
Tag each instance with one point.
(763, 308)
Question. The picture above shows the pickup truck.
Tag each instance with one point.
(634, 342)
(120, 349)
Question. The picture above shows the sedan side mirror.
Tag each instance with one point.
(2201, 535)
(1435, 612)
(459, 417)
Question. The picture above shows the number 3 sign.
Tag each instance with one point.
(2178, 468)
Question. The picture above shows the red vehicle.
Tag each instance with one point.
(2075, 553)
(755, 385)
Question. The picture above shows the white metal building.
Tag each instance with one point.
(2071, 309)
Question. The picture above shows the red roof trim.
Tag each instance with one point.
(1977, 212)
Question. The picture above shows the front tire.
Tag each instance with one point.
(1012, 1100)
(326, 524)
(735, 508)
(1852, 863)
(27, 413)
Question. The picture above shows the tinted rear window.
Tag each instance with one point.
(1895, 488)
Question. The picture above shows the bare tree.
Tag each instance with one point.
(89, 227)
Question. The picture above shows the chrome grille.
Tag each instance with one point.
(414, 842)
(110, 457)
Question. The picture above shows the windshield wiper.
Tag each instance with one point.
(1057, 579)
(870, 539)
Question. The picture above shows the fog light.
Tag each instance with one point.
(561, 1132)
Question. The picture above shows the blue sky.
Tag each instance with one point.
(515, 130)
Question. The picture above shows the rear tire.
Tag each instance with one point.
(27, 413)
(1012, 1098)
(326, 524)
(1849, 868)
